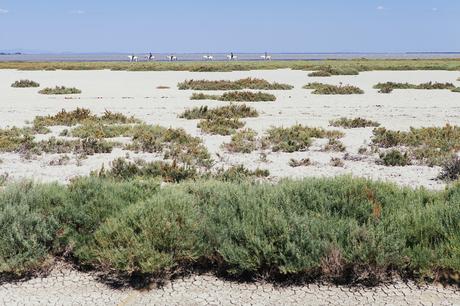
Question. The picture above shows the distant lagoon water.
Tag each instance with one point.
(120, 57)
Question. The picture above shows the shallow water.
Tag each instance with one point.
(97, 57)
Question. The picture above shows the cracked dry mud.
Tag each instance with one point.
(65, 286)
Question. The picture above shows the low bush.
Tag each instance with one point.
(25, 84)
(230, 111)
(97, 130)
(248, 83)
(357, 122)
(60, 90)
(450, 169)
(295, 138)
(386, 90)
(336, 162)
(239, 174)
(334, 145)
(236, 96)
(121, 169)
(80, 116)
(326, 71)
(457, 89)
(341, 229)
(174, 144)
(327, 89)
(394, 158)
(243, 141)
(430, 145)
(429, 85)
(220, 126)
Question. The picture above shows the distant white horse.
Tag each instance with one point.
(171, 58)
(232, 57)
(266, 57)
(208, 57)
(150, 58)
(133, 58)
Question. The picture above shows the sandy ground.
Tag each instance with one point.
(135, 93)
(65, 286)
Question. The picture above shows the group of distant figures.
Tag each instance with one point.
(172, 58)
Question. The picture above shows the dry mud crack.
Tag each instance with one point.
(65, 286)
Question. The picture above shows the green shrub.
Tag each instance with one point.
(220, 126)
(394, 158)
(457, 89)
(24, 84)
(28, 226)
(357, 122)
(97, 130)
(237, 96)
(386, 90)
(320, 73)
(121, 169)
(428, 85)
(334, 145)
(248, 83)
(430, 145)
(230, 111)
(175, 144)
(243, 141)
(295, 138)
(326, 71)
(327, 89)
(80, 116)
(239, 173)
(60, 90)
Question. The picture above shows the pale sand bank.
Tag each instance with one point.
(135, 93)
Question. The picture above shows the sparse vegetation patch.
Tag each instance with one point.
(248, 83)
(353, 123)
(327, 89)
(60, 90)
(244, 141)
(230, 111)
(236, 96)
(389, 86)
(220, 125)
(25, 84)
(430, 145)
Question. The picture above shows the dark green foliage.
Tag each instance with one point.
(394, 158)
(337, 229)
(248, 83)
(25, 84)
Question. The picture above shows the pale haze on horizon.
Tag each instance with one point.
(220, 26)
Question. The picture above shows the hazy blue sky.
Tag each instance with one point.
(234, 25)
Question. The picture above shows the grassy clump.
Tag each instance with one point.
(243, 141)
(239, 173)
(395, 158)
(60, 90)
(230, 111)
(328, 71)
(174, 144)
(327, 89)
(80, 116)
(334, 145)
(25, 84)
(349, 123)
(220, 126)
(248, 83)
(429, 85)
(340, 229)
(236, 96)
(121, 169)
(457, 89)
(430, 145)
(295, 138)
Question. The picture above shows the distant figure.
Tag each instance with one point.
(208, 57)
(231, 57)
(133, 58)
(171, 58)
(266, 57)
(151, 57)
